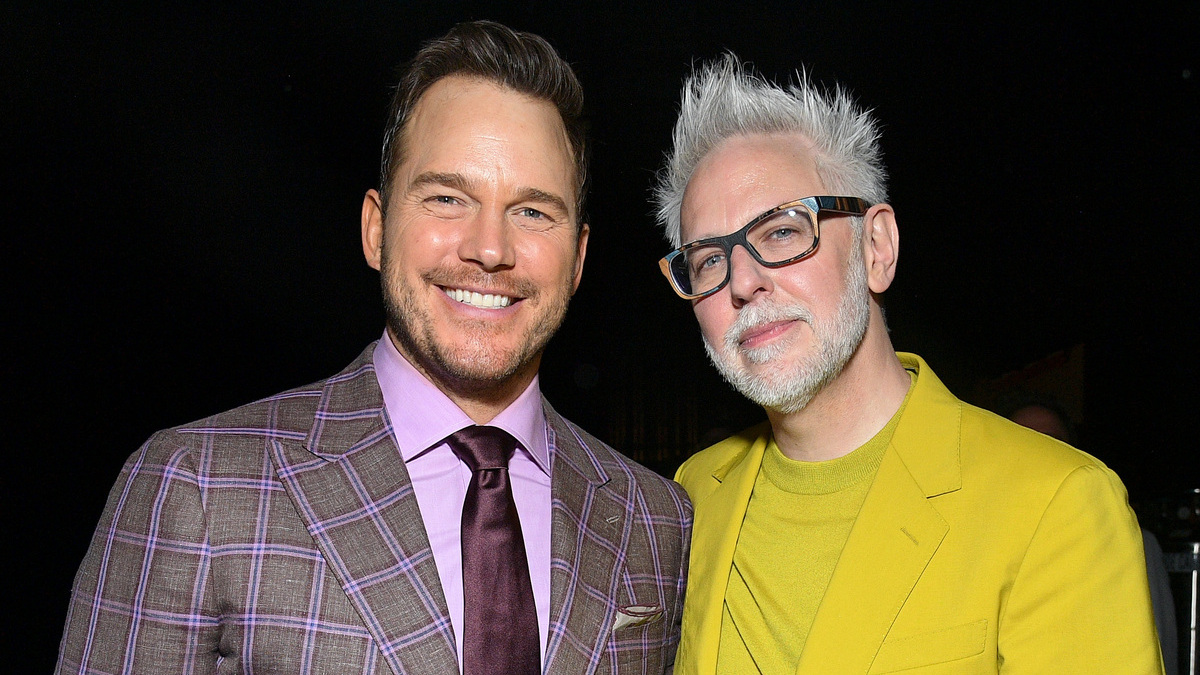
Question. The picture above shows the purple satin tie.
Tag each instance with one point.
(500, 630)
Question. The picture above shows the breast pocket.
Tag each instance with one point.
(931, 648)
(638, 640)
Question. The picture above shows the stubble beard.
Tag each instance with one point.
(475, 365)
(789, 387)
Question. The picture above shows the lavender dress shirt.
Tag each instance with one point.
(422, 416)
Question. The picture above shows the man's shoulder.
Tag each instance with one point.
(280, 413)
(699, 469)
(994, 457)
(286, 416)
(233, 441)
(938, 425)
(989, 440)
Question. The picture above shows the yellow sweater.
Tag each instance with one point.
(799, 517)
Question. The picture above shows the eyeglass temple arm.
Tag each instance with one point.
(853, 206)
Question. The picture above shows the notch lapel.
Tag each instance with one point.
(896, 534)
(718, 520)
(350, 486)
(592, 514)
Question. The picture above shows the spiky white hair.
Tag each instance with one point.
(724, 99)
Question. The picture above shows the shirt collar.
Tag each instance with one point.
(422, 415)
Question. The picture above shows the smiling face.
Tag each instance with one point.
(480, 251)
(779, 336)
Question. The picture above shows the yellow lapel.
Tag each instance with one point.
(896, 534)
(718, 519)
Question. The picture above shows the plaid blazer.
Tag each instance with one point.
(284, 537)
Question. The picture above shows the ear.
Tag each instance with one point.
(372, 228)
(580, 254)
(881, 246)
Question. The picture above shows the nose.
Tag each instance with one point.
(487, 242)
(747, 279)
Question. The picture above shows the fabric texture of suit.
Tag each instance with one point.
(981, 547)
(285, 537)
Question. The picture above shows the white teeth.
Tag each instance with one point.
(485, 301)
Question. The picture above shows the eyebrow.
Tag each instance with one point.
(537, 196)
(457, 181)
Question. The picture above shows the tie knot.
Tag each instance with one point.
(483, 447)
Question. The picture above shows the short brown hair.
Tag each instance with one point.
(523, 62)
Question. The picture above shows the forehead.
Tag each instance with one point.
(465, 125)
(744, 176)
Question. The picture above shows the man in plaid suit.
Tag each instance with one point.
(317, 531)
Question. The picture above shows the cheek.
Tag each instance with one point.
(417, 247)
(547, 260)
(713, 322)
(814, 286)
(828, 291)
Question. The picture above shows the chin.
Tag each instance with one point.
(482, 365)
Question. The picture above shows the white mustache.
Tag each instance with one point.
(755, 315)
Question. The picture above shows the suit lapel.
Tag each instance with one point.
(350, 486)
(591, 520)
(895, 535)
(718, 520)
(893, 539)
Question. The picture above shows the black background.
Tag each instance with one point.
(182, 190)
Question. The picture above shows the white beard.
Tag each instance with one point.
(788, 387)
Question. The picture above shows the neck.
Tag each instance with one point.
(849, 411)
(483, 406)
(481, 400)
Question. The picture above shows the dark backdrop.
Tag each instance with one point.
(182, 190)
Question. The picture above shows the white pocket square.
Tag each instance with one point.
(636, 615)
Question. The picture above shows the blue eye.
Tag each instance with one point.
(707, 262)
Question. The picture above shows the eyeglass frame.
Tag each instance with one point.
(847, 206)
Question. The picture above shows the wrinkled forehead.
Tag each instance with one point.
(744, 176)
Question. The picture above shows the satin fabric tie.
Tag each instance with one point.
(500, 629)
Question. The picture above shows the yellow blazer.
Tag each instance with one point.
(982, 547)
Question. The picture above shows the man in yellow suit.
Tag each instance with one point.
(875, 524)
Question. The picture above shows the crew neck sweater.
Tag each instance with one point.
(797, 522)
